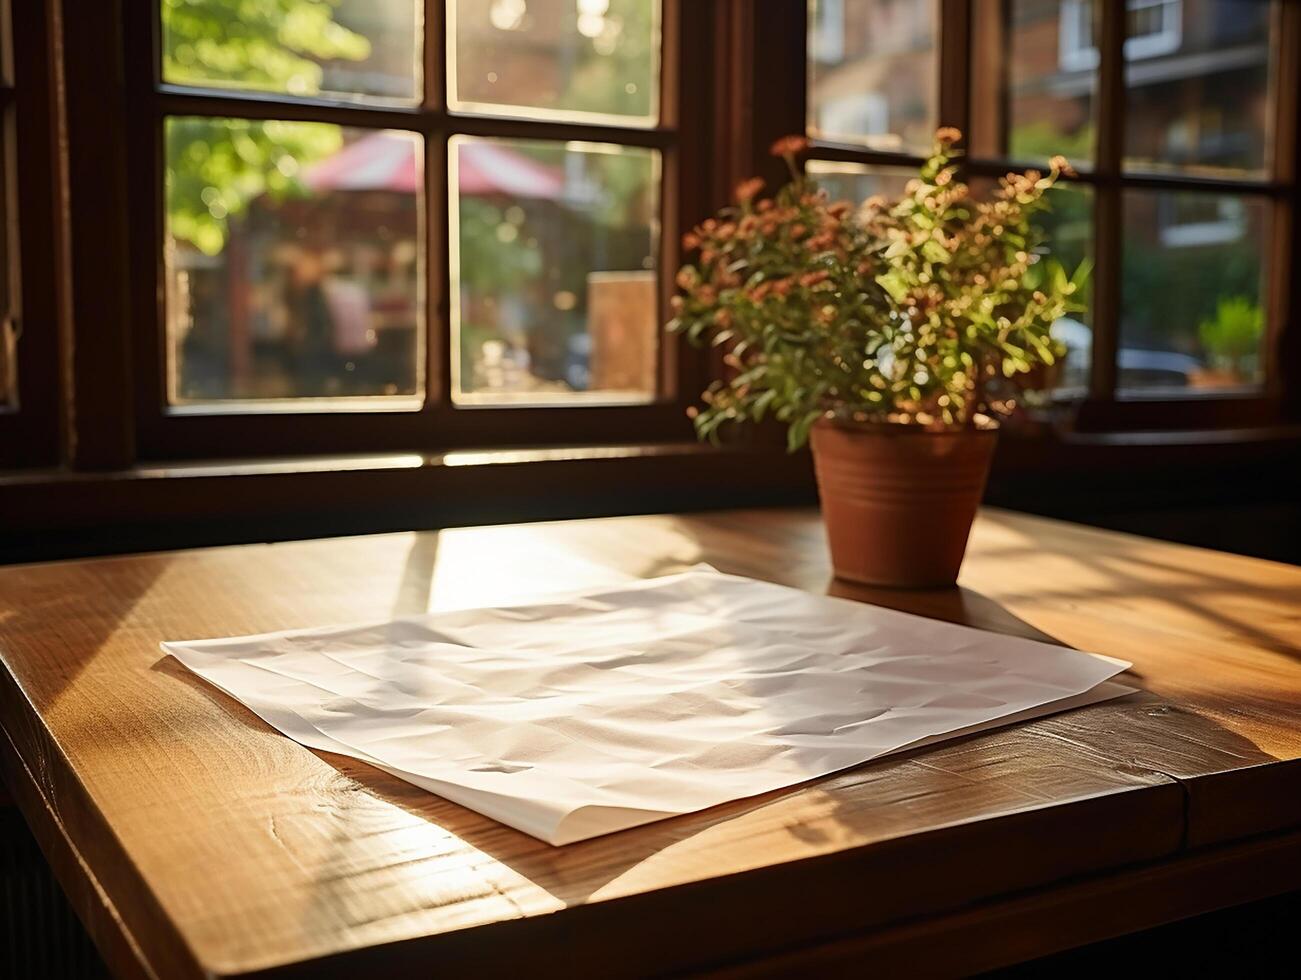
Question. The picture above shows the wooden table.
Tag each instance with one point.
(195, 841)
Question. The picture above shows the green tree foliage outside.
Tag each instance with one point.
(217, 166)
(1232, 336)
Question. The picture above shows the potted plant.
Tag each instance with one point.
(1232, 342)
(893, 334)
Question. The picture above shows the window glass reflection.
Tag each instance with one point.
(1197, 85)
(1193, 290)
(556, 58)
(355, 49)
(293, 260)
(873, 72)
(554, 272)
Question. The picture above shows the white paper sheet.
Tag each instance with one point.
(601, 710)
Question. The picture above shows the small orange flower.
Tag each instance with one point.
(1061, 165)
(788, 146)
(690, 241)
(947, 135)
(747, 189)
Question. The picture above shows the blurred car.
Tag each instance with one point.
(1136, 367)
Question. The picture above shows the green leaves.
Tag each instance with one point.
(894, 284)
(912, 312)
(798, 433)
(933, 251)
(217, 166)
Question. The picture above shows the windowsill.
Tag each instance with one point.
(357, 463)
(387, 462)
(57, 513)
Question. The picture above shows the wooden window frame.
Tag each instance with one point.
(966, 65)
(88, 106)
(131, 355)
(31, 423)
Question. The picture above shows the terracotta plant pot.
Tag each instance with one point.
(898, 502)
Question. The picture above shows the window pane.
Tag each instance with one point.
(554, 288)
(293, 260)
(362, 49)
(1193, 290)
(873, 72)
(857, 182)
(1197, 84)
(555, 58)
(1052, 77)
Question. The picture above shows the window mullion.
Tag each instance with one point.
(1108, 227)
(435, 55)
(1282, 349)
(954, 58)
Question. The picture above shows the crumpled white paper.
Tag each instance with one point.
(592, 712)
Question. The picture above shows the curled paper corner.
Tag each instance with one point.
(594, 820)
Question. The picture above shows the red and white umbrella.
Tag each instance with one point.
(386, 161)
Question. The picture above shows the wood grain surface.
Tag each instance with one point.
(196, 841)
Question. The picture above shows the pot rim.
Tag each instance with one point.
(903, 430)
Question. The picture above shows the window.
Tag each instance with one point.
(390, 216)
(367, 226)
(1154, 27)
(872, 72)
(1176, 117)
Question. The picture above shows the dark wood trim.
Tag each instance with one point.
(1283, 304)
(49, 513)
(1174, 410)
(1108, 219)
(1013, 930)
(432, 428)
(438, 303)
(953, 54)
(779, 83)
(1151, 180)
(99, 216)
(990, 58)
(178, 100)
(821, 149)
(31, 431)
